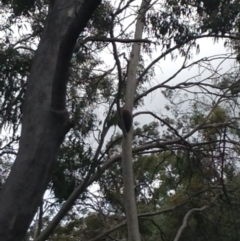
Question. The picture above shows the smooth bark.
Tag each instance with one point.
(45, 120)
(127, 165)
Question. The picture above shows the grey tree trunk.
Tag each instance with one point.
(45, 119)
(127, 166)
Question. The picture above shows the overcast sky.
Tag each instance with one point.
(166, 68)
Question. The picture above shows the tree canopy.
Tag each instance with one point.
(68, 172)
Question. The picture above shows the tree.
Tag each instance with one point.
(190, 143)
(45, 120)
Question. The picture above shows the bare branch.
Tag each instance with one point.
(184, 224)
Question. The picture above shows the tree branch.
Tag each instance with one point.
(184, 224)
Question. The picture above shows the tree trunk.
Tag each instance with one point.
(127, 166)
(45, 120)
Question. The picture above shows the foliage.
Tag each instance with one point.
(186, 157)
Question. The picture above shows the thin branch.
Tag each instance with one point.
(185, 220)
(120, 81)
(165, 210)
(113, 40)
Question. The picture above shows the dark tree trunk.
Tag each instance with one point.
(45, 120)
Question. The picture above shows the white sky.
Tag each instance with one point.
(166, 68)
